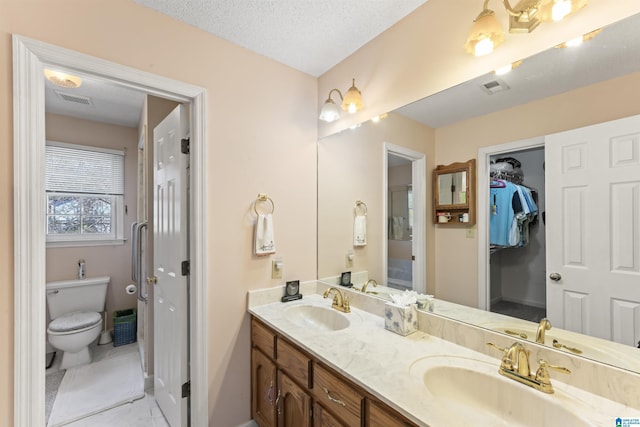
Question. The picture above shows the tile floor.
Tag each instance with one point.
(521, 311)
(140, 413)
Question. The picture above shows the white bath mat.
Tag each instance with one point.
(96, 387)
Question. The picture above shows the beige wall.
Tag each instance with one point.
(457, 281)
(112, 260)
(254, 145)
(349, 169)
(424, 53)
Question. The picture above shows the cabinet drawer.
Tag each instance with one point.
(263, 338)
(337, 396)
(293, 362)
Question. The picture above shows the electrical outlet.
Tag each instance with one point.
(276, 269)
(469, 233)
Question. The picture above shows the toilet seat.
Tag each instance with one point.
(75, 322)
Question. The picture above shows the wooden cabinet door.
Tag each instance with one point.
(293, 405)
(263, 389)
(322, 418)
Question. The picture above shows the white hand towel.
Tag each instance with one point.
(264, 235)
(360, 230)
(398, 227)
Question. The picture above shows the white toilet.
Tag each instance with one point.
(76, 308)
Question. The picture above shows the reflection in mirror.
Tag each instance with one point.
(401, 212)
(571, 77)
(452, 188)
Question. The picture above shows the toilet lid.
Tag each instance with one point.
(74, 321)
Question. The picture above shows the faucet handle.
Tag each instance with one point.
(543, 377)
(504, 350)
(507, 362)
(345, 304)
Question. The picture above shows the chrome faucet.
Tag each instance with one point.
(364, 287)
(544, 326)
(340, 302)
(515, 365)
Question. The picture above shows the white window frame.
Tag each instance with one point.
(116, 237)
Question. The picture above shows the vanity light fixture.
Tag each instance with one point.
(351, 102)
(486, 33)
(62, 79)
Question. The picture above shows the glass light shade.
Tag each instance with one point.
(485, 35)
(62, 79)
(352, 101)
(329, 112)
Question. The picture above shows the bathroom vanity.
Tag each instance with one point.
(315, 366)
(290, 387)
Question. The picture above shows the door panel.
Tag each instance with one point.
(294, 406)
(170, 245)
(593, 229)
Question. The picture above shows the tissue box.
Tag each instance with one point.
(401, 320)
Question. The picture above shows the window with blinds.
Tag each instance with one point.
(85, 192)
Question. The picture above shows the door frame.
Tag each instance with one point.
(419, 190)
(29, 59)
(484, 160)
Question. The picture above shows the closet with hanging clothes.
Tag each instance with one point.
(517, 235)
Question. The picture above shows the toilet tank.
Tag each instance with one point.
(67, 296)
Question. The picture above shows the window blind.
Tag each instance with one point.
(79, 169)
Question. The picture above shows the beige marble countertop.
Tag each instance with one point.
(381, 362)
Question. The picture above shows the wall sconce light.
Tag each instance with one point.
(351, 102)
(486, 33)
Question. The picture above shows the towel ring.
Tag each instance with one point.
(263, 198)
(362, 205)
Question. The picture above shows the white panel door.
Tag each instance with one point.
(170, 246)
(593, 230)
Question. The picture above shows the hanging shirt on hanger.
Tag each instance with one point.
(502, 214)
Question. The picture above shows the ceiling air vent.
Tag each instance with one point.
(494, 86)
(78, 99)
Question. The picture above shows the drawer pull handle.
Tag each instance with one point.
(277, 402)
(333, 399)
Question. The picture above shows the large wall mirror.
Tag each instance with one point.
(354, 165)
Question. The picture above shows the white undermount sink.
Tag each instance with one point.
(473, 390)
(318, 318)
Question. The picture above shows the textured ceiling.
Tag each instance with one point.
(309, 35)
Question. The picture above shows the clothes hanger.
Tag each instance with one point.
(498, 183)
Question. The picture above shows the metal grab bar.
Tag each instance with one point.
(142, 286)
(134, 258)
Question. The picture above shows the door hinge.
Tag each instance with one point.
(184, 146)
(186, 389)
(186, 268)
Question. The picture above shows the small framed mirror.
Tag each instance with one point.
(454, 193)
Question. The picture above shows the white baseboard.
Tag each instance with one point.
(249, 424)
